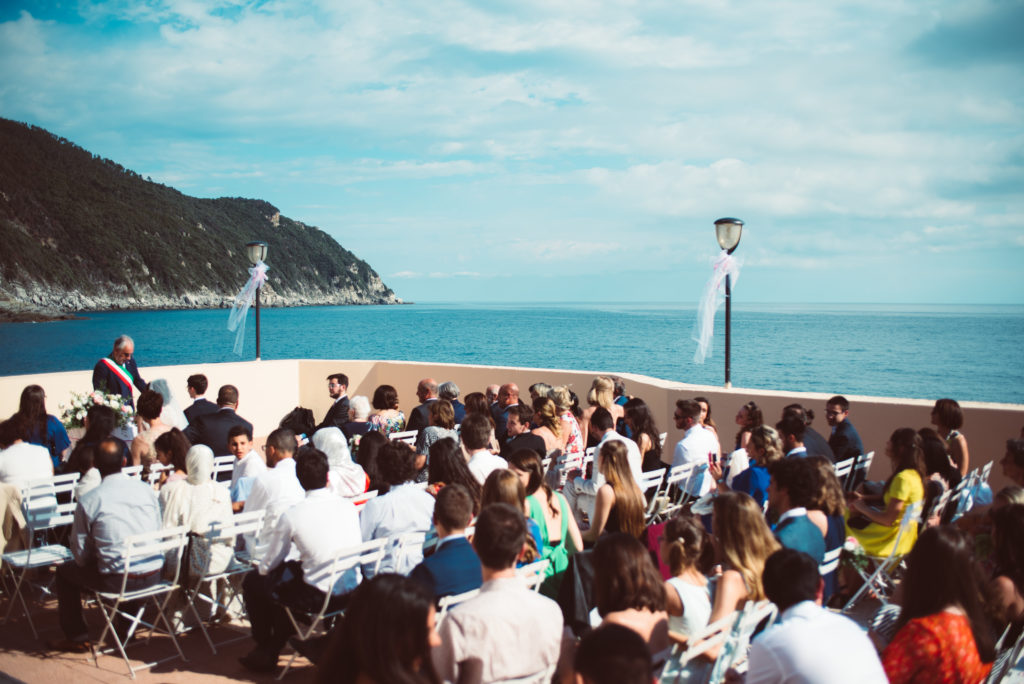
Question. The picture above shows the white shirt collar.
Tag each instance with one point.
(791, 513)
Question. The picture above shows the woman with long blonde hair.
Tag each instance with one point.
(570, 431)
(744, 544)
(602, 393)
(620, 505)
(549, 425)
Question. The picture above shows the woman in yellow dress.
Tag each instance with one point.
(904, 487)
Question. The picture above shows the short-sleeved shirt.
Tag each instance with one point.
(935, 649)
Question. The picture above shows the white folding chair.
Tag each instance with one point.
(881, 581)
(403, 545)
(843, 469)
(1007, 656)
(679, 486)
(737, 644)
(42, 516)
(446, 603)
(240, 525)
(830, 562)
(408, 436)
(860, 467)
(139, 548)
(938, 507)
(678, 667)
(650, 484)
(132, 471)
(155, 470)
(661, 438)
(533, 573)
(367, 554)
(221, 465)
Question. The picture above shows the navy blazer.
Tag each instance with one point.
(419, 417)
(817, 446)
(460, 411)
(801, 534)
(106, 380)
(527, 440)
(337, 415)
(453, 569)
(845, 441)
(200, 407)
(212, 429)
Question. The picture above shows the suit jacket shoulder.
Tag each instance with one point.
(801, 534)
(453, 569)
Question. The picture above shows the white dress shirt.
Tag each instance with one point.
(22, 462)
(274, 491)
(483, 463)
(405, 508)
(250, 465)
(319, 526)
(120, 506)
(809, 645)
(694, 447)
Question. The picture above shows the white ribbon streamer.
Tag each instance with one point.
(710, 301)
(240, 308)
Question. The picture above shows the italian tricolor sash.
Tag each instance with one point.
(122, 373)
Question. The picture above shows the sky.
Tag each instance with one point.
(573, 150)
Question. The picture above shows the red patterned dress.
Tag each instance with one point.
(935, 649)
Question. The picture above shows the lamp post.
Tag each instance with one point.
(728, 232)
(257, 252)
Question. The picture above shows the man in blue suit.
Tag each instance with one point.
(117, 372)
(454, 567)
(794, 486)
(845, 441)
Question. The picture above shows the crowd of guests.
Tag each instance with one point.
(618, 590)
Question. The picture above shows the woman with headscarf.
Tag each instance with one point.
(198, 501)
(345, 477)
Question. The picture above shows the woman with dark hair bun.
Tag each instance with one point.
(171, 449)
(385, 636)
(942, 633)
(748, 417)
(948, 418)
(386, 418)
(43, 429)
(688, 592)
(904, 487)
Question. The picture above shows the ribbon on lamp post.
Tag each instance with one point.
(711, 301)
(242, 303)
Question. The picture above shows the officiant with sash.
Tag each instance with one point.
(117, 372)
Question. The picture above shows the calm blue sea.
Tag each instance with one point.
(965, 352)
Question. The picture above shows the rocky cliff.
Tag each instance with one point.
(82, 233)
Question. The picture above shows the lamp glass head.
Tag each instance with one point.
(728, 232)
(256, 251)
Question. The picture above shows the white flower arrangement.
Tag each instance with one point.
(73, 413)
(854, 554)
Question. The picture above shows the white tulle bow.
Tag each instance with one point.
(710, 301)
(240, 308)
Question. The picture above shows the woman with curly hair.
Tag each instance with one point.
(549, 425)
(748, 417)
(948, 418)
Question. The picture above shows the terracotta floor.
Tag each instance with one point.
(25, 659)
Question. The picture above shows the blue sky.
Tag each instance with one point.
(571, 151)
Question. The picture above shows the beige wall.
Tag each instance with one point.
(269, 389)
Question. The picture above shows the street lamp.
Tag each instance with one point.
(728, 232)
(257, 252)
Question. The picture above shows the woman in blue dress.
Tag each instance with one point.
(44, 429)
(764, 448)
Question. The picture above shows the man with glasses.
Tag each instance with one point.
(337, 388)
(845, 442)
(117, 372)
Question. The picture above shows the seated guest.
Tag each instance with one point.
(477, 403)
(628, 591)
(548, 425)
(147, 419)
(119, 507)
(248, 464)
(539, 389)
(697, 444)
(763, 449)
(508, 396)
(795, 483)
(791, 434)
(385, 635)
(687, 591)
(426, 392)
(337, 414)
(99, 422)
(620, 505)
(196, 386)
(386, 418)
(441, 424)
(648, 440)
(453, 568)
(940, 473)
(807, 643)
(844, 442)
(448, 466)
(748, 417)
(21, 461)
(519, 434)
(815, 443)
(276, 489)
(366, 456)
(405, 508)
(504, 486)
(942, 634)
(581, 492)
(346, 478)
(612, 654)
(197, 501)
(212, 429)
(1007, 586)
(477, 636)
(1013, 461)
(43, 429)
(300, 421)
(171, 449)
(476, 438)
(358, 421)
(318, 527)
(827, 510)
(450, 391)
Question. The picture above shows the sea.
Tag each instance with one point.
(967, 352)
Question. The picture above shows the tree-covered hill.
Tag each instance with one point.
(79, 233)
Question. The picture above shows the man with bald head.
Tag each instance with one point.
(508, 396)
(426, 392)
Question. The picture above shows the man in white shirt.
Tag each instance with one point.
(808, 643)
(506, 631)
(476, 438)
(277, 489)
(248, 465)
(581, 493)
(696, 446)
(19, 460)
(407, 507)
(320, 526)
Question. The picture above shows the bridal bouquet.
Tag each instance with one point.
(73, 413)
